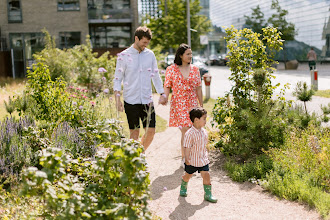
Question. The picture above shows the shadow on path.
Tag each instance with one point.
(169, 181)
(185, 210)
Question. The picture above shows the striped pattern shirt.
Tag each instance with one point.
(196, 140)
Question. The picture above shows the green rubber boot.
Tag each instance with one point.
(183, 190)
(208, 194)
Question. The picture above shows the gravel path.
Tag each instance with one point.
(235, 200)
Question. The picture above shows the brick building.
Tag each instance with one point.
(110, 24)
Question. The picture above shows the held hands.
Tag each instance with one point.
(163, 99)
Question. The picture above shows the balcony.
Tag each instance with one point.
(96, 16)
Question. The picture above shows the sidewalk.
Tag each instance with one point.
(235, 200)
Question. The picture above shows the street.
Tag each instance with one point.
(220, 83)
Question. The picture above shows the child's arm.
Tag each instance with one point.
(187, 147)
(187, 155)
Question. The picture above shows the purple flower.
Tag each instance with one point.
(120, 58)
(120, 69)
(117, 94)
(106, 91)
(74, 103)
(152, 75)
(163, 71)
(165, 188)
(149, 69)
(102, 70)
(126, 83)
(81, 107)
(156, 70)
(97, 95)
(104, 79)
(110, 99)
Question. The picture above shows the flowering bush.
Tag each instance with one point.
(113, 186)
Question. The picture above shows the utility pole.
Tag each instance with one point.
(188, 23)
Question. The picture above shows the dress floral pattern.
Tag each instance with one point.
(184, 96)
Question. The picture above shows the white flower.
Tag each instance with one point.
(102, 70)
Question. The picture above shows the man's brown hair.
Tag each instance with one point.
(141, 32)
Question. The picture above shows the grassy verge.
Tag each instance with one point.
(323, 93)
(298, 171)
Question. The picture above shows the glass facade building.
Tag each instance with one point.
(310, 17)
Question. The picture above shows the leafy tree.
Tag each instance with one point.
(278, 21)
(170, 29)
(256, 21)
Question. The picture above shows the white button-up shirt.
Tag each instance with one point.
(136, 70)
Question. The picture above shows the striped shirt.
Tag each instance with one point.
(196, 140)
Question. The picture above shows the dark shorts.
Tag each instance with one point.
(140, 111)
(191, 169)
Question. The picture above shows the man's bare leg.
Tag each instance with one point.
(148, 137)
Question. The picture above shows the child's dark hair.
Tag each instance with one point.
(179, 52)
(197, 112)
(141, 32)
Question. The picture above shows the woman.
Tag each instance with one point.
(184, 79)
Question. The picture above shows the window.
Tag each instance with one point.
(108, 4)
(328, 45)
(14, 11)
(69, 39)
(68, 5)
(110, 36)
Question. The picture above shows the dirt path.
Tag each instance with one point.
(235, 200)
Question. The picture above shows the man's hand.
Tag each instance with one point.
(163, 99)
(119, 104)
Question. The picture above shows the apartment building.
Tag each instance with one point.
(110, 24)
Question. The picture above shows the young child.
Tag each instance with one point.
(196, 155)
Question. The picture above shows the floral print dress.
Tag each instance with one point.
(184, 95)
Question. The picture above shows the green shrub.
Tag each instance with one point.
(248, 118)
(302, 168)
(249, 171)
(114, 186)
(78, 65)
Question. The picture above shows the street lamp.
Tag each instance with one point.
(188, 23)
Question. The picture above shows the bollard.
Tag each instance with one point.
(207, 80)
(314, 79)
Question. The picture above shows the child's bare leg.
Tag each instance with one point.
(186, 177)
(206, 177)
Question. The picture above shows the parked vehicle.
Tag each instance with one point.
(223, 59)
(169, 60)
(198, 61)
(214, 60)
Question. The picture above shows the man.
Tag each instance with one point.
(136, 67)
(311, 56)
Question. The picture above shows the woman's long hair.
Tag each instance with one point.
(179, 52)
